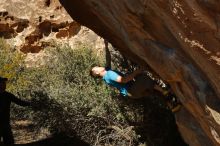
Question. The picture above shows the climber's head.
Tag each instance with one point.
(97, 71)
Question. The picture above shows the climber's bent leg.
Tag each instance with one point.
(141, 87)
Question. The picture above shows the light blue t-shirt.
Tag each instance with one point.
(110, 78)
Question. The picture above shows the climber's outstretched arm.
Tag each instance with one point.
(128, 78)
(107, 55)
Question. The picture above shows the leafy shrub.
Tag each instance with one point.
(66, 98)
(65, 79)
(11, 62)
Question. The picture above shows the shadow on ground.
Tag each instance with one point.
(157, 126)
(66, 127)
(57, 140)
(153, 122)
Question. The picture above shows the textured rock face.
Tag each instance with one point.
(179, 40)
(31, 25)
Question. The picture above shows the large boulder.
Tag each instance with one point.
(179, 40)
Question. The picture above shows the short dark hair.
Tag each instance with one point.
(91, 73)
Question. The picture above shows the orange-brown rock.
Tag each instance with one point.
(31, 49)
(10, 26)
(179, 40)
(73, 28)
(28, 24)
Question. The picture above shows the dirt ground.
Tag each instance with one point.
(155, 125)
(25, 135)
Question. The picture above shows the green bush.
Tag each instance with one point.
(66, 97)
(11, 62)
(65, 79)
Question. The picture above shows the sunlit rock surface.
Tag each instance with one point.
(179, 40)
(31, 25)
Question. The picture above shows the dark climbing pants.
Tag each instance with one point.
(6, 134)
(141, 87)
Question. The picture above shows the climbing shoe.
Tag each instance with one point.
(172, 103)
(174, 107)
(166, 90)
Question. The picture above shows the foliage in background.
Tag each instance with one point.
(11, 62)
(66, 98)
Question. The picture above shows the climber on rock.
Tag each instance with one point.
(135, 85)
